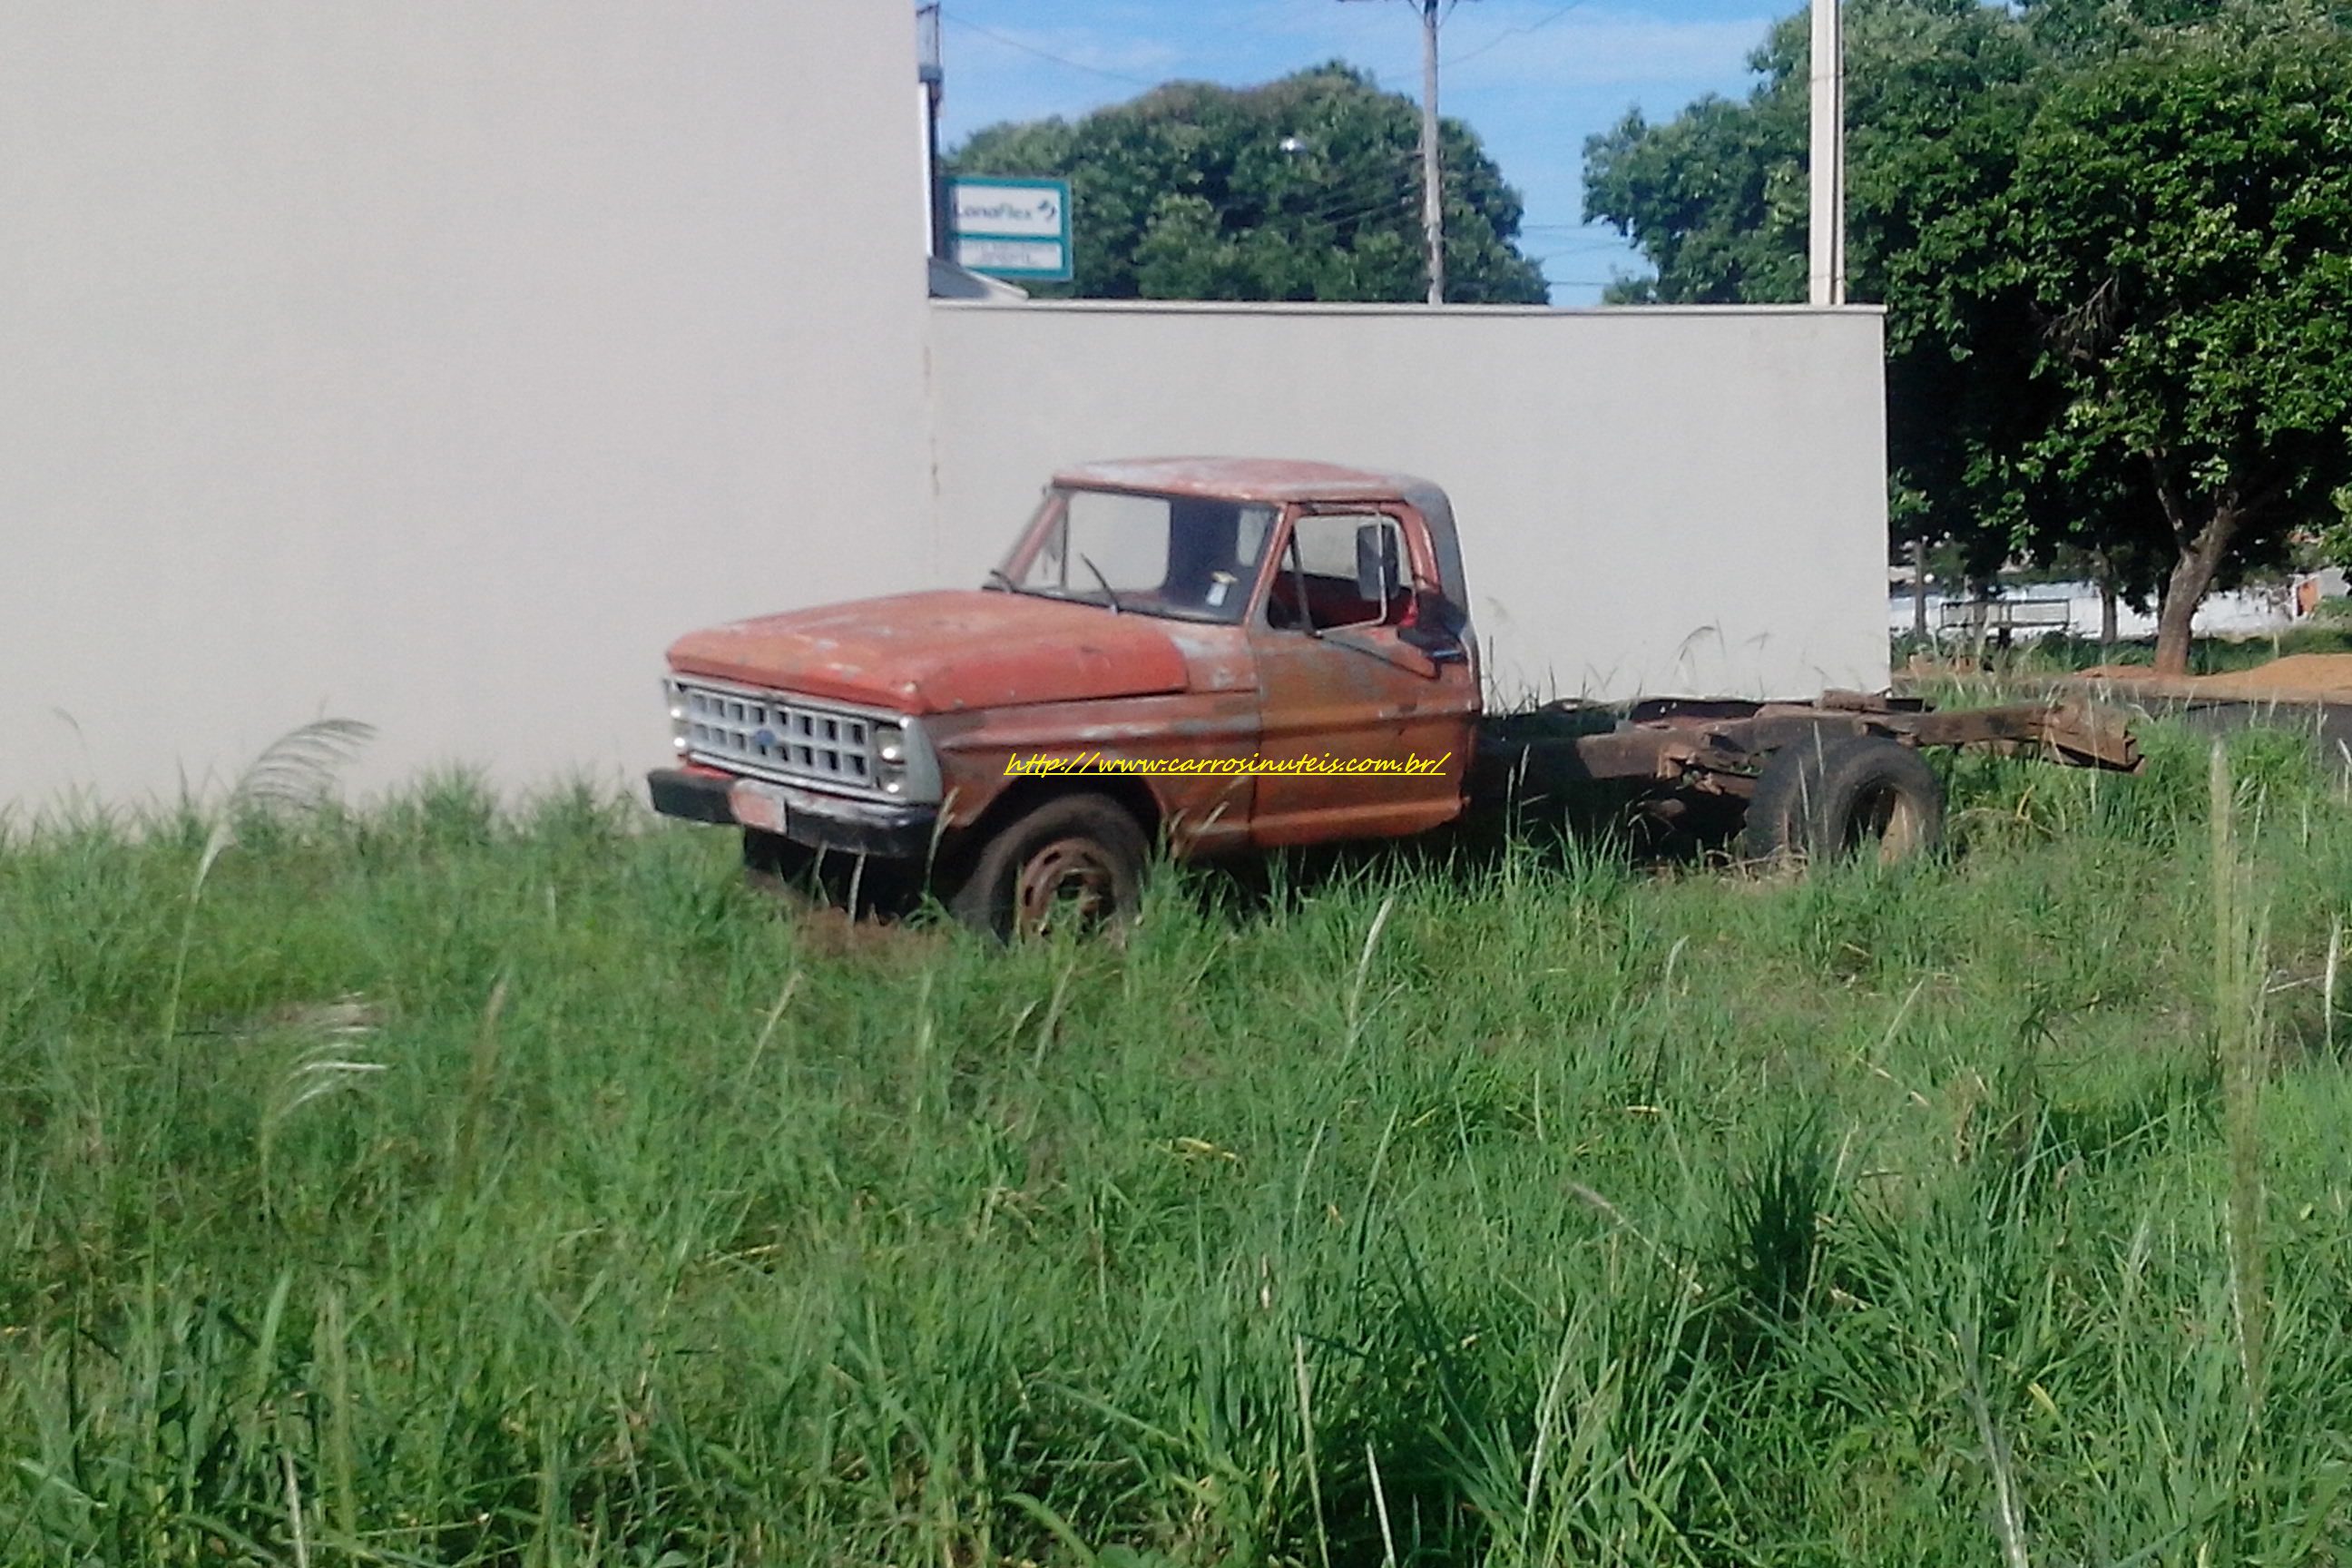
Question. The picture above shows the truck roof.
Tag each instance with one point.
(1246, 479)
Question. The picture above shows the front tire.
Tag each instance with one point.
(1077, 859)
(1846, 798)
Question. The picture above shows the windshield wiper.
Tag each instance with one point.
(1115, 607)
(998, 579)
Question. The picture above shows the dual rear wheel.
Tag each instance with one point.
(1854, 796)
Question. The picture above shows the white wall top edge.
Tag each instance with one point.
(1311, 308)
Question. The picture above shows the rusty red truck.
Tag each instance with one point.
(1212, 657)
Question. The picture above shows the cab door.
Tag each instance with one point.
(1351, 675)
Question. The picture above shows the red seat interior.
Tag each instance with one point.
(1334, 602)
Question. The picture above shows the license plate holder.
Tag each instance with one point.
(758, 805)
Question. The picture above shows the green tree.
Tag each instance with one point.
(1938, 94)
(1305, 188)
(2109, 239)
(2184, 221)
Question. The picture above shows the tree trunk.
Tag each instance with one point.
(1919, 588)
(2184, 590)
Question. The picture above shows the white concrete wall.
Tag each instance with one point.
(434, 362)
(1651, 501)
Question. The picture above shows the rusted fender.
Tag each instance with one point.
(1202, 812)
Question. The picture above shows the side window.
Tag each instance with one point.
(1342, 569)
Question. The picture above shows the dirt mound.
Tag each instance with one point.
(2297, 678)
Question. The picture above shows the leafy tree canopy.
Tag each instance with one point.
(1305, 188)
(2183, 220)
(2112, 238)
(1938, 95)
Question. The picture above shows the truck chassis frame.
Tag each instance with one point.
(1720, 747)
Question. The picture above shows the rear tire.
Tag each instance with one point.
(1843, 798)
(1076, 858)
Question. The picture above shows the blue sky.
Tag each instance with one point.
(1533, 78)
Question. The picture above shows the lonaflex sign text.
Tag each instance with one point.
(1012, 228)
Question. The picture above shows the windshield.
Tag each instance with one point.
(1181, 556)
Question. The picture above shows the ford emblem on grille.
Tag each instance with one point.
(763, 737)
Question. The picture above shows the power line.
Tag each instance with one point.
(1012, 43)
(1531, 232)
(1396, 204)
(1339, 213)
(1509, 33)
(1346, 205)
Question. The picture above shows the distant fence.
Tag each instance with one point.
(2000, 620)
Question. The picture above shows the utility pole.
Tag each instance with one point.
(1433, 174)
(1432, 187)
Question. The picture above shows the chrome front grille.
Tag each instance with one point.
(767, 734)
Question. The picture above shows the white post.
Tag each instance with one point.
(1433, 179)
(926, 129)
(1826, 271)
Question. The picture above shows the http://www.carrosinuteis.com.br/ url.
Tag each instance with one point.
(1326, 764)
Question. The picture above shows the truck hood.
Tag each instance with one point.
(943, 652)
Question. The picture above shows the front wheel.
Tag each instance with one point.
(1852, 796)
(1076, 859)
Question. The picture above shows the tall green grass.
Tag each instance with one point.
(446, 1183)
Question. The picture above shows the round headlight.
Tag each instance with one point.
(890, 744)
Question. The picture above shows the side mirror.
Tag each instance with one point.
(1376, 561)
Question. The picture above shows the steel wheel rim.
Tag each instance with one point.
(1077, 876)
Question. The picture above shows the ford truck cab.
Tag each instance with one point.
(1176, 651)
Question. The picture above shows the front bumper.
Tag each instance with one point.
(811, 818)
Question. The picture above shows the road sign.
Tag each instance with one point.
(1012, 228)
